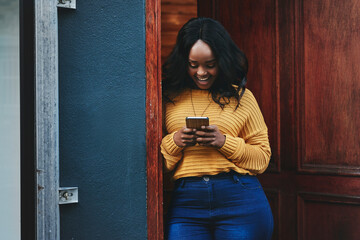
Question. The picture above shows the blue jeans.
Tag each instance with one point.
(226, 206)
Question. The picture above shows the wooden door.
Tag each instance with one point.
(304, 61)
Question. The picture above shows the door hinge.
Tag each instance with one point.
(66, 4)
(68, 195)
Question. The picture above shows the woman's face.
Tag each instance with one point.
(203, 68)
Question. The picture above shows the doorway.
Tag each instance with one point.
(295, 50)
(174, 14)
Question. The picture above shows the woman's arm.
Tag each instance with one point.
(173, 144)
(172, 153)
(252, 154)
(249, 150)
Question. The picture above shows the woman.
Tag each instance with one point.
(216, 194)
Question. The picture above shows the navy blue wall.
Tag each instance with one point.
(102, 119)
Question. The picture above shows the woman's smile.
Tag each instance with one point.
(202, 78)
(203, 67)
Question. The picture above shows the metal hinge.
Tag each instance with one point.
(68, 195)
(66, 4)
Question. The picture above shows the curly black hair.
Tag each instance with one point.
(231, 61)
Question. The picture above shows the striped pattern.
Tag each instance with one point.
(246, 149)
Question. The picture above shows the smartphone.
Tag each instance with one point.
(196, 122)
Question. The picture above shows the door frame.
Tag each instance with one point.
(27, 119)
(47, 120)
(46, 89)
(154, 120)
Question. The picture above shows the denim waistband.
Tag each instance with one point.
(224, 175)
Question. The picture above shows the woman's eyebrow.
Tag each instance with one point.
(212, 60)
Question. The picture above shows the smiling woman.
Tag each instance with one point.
(202, 65)
(216, 194)
(206, 40)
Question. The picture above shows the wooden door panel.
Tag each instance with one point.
(259, 22)
(303, 69)
(174, 14)
(329, 217)
(328, 86)
(288, 192)
(288, 182)
(273, 196)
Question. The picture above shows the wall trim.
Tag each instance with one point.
(154, 120)
(46, 120)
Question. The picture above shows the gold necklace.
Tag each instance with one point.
(194, 107)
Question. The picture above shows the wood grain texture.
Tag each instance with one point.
(291, 185)
(177, 2)
(289, 138)
(255, 29)
(207, 8)
(153, 120)
(273, 196)
(328, 86)
(296, 47)
(339, 216)
(174, 14)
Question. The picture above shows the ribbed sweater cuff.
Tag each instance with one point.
(233, 146)
(171, 146)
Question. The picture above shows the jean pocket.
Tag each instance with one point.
(250, 182)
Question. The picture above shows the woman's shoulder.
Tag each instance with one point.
(249, 95)
(178, 96)
(248, 100)
(246, 94)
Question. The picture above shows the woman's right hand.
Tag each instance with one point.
(185, 137)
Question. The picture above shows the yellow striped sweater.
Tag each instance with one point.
(246, 148)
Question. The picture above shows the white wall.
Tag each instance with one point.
(9, 120)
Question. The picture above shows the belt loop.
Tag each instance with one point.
(235, 177)
(182, 183)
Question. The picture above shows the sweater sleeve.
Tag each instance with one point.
(172, 153)
(252, 150)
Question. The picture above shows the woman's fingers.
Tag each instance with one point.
(207, 136)
(204, 134)
(188, 136)
(208, 131)
(210, 128)
(188, 130)
(210, 136)
(190, 140)
(185, 137)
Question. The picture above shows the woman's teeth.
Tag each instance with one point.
(202, 78)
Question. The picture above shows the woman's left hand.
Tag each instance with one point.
(210, 136)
